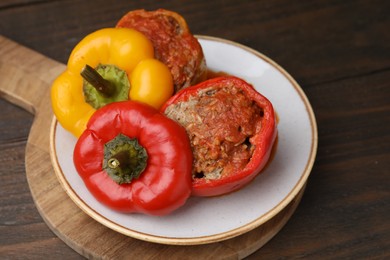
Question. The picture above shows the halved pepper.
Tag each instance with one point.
(134, 159)
(231, 128)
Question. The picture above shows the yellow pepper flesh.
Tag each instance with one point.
(151, 82)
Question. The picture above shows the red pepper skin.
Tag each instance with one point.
(263, 140)
(163, 186)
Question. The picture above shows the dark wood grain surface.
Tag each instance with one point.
(338, 51)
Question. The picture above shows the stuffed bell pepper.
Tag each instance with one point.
(231, 128)
(173, 42)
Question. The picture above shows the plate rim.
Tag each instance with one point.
(209, 238)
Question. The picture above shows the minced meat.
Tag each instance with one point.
(174, 45)
(220, 123)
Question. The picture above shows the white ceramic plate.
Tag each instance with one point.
(206, 220)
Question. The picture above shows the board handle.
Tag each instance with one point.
(26, 75)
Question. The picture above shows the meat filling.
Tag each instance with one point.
(174, 45)
(220, 123)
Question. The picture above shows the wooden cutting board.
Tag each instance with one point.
(26, 77)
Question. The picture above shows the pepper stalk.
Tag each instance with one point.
(124, 159)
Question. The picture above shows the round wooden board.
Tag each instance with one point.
(28, 76)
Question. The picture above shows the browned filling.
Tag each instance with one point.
(174, 45)
(220, 124)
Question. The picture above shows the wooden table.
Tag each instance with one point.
(339, 53)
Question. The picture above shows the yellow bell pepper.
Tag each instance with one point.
(111, 52)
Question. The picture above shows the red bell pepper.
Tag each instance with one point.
(132, 158)
(232, 130)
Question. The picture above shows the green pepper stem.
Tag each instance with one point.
(124, 159)
(97, 81)
(119, 160)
